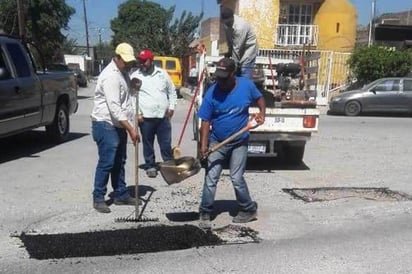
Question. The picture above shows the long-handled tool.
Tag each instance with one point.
(177, 170)
(138, 216)
(250, 125)
(176, 150)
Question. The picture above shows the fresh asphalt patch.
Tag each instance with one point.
(132, 241)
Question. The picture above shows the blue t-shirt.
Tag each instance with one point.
(228, 112)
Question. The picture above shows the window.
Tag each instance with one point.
(388, 85)
(170, 64)
(407, 86)
(4, 70)
(19, 59)
(157, 63)
(299, 14)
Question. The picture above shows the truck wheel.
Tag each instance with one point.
(59, 129)
(294, 154)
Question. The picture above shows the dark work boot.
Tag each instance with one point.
(101, 207)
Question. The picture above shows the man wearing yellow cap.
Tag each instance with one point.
(111, 123)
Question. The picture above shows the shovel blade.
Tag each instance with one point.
(176, 170)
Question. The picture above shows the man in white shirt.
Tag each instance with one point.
(157, 100)
(241, 40)
(193, 78)
(111, 116)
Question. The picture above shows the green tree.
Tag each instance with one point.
(70, 46)
(146, 24)
(44, 20)
(371, 63)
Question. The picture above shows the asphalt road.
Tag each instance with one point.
(46, 190)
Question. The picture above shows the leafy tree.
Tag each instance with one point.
(371, 63)
(44, 20)
(146, 24)
(70, 46)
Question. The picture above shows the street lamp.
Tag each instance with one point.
(371, 24)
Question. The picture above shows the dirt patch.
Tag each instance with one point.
(333, 193)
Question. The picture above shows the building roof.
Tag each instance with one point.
(384, 32)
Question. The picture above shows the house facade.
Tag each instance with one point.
(286, 28)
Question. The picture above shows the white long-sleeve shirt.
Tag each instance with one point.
(157, 93)
(112, 101)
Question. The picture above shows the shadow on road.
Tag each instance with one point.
(28, 144)
(220, 206)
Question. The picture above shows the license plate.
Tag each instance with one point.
(256, 148)
(275, 120)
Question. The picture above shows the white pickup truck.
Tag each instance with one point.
(289, 122)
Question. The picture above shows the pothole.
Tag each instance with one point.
(131, 241)
(333, 193)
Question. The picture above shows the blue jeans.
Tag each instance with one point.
(246, 70)
(111, 144)
(237, 154)
(162, 129)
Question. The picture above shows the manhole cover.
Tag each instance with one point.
(333, 193)
(130, 241)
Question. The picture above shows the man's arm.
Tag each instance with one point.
(260, 117)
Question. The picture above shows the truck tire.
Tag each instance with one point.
(294, 154)
(58, 131)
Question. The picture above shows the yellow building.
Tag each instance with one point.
(321, 24)
(327, 27)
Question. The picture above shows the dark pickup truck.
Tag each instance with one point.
(31, 97)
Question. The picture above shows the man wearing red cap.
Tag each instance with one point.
(225, 111)
(157, 100)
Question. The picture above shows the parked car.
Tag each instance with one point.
(385, 95)
(78, 73)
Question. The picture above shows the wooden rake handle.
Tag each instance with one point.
(250, 125)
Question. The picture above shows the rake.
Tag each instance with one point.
(138, 216)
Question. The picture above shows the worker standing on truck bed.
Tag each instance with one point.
(241, 40)
(226, 107)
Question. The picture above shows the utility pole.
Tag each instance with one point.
(20, 15)
(87, 28)
(371, 24)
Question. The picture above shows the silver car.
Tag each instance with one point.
(390, 95)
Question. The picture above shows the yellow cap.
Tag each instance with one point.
(126, 52)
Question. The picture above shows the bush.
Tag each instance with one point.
(371, 63)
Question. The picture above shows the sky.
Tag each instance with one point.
(100, 12)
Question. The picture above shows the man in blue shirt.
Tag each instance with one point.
(225, 111)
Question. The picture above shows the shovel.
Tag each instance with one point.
(176, 170)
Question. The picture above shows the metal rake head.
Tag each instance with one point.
(135, 220)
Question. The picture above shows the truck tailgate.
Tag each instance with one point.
(289, 120)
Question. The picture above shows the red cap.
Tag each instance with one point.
(145, 54)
